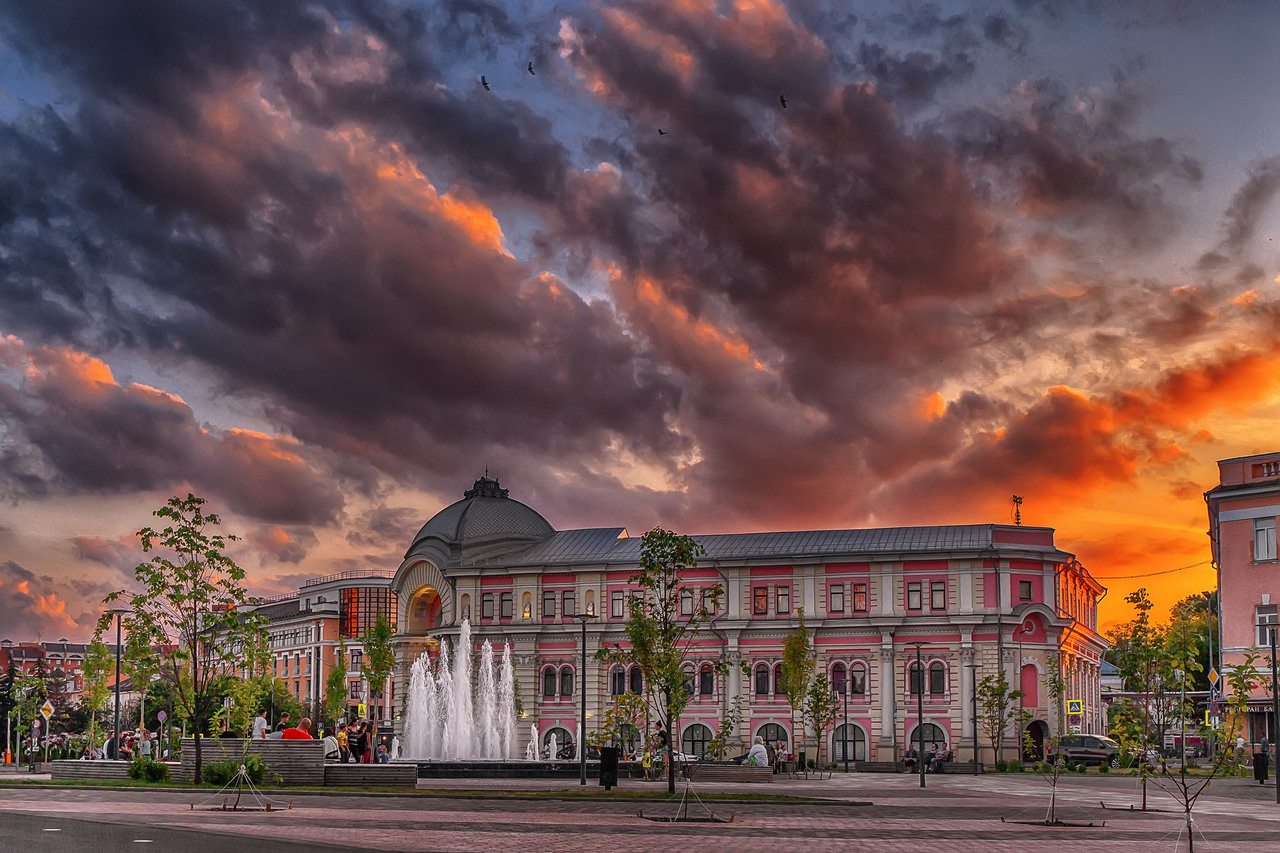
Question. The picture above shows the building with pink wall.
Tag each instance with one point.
(982, 596)
(1242, 529)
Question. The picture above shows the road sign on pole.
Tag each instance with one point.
(1213, 676)
(46, 710)
(162, 716)
(362, 710)
(1075, 707)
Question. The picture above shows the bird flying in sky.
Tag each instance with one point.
(783, 100)
(531, 71)
(484, 82)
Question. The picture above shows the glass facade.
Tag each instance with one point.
(360, 606)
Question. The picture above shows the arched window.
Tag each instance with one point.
(687, 681)
(848, 738)
(637, 680)
(937, 679)
(549, 683)
(773, 734)
(933, 737)
(779, 687)
(914, 678)
(628, 739)
(618, 681)
(566, 681)
(838, 679)
(1030, 686)
(563, 743)
(694, 740)
(762, 679)
(858, 680)
(706, 680)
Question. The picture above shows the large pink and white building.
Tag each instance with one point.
(976, 597)
(1242, 530)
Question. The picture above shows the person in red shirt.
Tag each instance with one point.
(302, 732)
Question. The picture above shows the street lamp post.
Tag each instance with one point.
(848, 683)
(119, 612)
(973, 695)
(919, 710)
(582, 687)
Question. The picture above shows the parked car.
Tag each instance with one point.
(1087, 749)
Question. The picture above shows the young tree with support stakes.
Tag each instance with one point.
(1057, 679)
(658, 634)
(98, 668)
(188, 606)
(798, 666)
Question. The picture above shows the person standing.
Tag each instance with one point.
(363, 745)
(144, 745)
(344, 752)
(1262, 760)
(260, 725)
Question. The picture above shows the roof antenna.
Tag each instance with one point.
(1016, 503)
(486, 470)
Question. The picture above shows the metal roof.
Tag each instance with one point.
(609, 545)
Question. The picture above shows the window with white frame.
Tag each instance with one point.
(835, 597)
(1264, 539)
(1265, 618)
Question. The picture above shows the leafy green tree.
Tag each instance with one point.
(658, 633)
(797, 670)
(998, 708)
(189, 607)
(820, 710)
(98, 668)
(335, 686)
(379, 658)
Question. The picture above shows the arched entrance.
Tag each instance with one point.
(934, 738)
(424, 610)
(564, 744)
(1039, 732)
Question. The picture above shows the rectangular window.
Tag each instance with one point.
(1265, 615)
(505, 604)
(616, 599)
(1264, 539)
(618, 682)
(569, 605)
(784, 600)
(835, 598)
(938, 595)
(913, 596)
(486, 606)
(686, 602)
(859, 598)
(760, 601)
(548, 605)
(1024, 590)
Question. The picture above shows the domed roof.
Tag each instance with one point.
(485, 513)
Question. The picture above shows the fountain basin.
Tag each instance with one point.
(498, 769)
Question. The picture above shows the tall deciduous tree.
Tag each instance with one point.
(998, 706)
(379, 659)
(335, 686)
(98, 668)
(188, 606)
(658, 632)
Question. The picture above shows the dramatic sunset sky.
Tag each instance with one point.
(294, 257)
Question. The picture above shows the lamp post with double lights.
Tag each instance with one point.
(584, 617)
(919, 710)
(119, 612)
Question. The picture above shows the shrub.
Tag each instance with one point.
(1104, 767)
(1014, 767)
(142, 767)
(222, 772)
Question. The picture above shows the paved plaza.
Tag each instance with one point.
(859, 812)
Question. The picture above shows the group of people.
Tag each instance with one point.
(356, 742)
(135, 743)
(933, 759)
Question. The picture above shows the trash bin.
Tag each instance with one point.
(608, 767)
(1260, 762)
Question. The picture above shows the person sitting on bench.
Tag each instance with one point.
(911, 759)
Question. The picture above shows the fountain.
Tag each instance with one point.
(442, 720)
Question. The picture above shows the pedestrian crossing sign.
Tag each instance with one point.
(362, 710)
(1075, 707)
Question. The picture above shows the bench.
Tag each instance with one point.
(729, 772)
(958, 767)
(878, 766)
(371, 775)
(73, 769)
(295, 762)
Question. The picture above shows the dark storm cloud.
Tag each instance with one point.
(1250, 202)
(74, 429)
(276, 544)
(1074, 159)
(384, 526)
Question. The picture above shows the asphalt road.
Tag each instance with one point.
(28, 833)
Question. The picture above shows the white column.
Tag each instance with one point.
(885, 746)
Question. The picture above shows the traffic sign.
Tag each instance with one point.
(35, 724)
(162, 716)
(46, 710)
(1213, 675)
(1075, 707)
(1215, 708)
(362, 710)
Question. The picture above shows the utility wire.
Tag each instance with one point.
(1153, 574)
